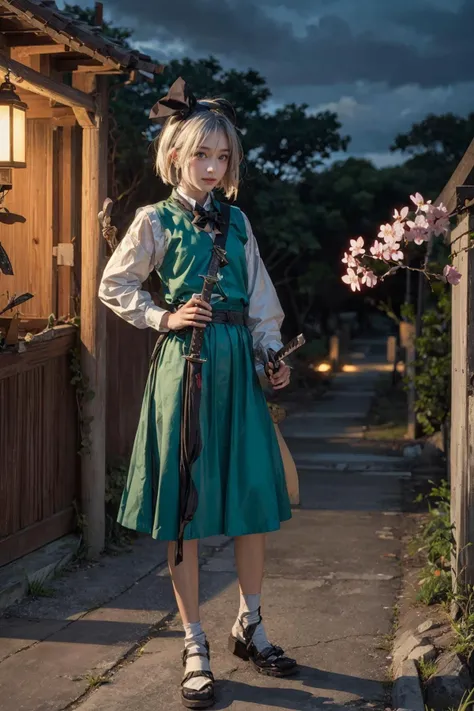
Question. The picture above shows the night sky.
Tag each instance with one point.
(380, 64)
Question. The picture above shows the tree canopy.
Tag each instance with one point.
(302, 212)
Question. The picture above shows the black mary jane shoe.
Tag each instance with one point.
(191, 698)
(271, 661)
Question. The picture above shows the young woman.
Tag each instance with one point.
(236, 485)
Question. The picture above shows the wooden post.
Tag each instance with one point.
(334, 353)
(462, 404)
(392, 350)
(407, 341)
(93, 324)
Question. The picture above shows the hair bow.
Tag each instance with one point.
(180, 101)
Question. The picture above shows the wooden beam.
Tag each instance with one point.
(71, 64)
(19, 53)
(16, 39)
(83, 68)
(459, 177)
(93, 324)
(67, 121)
(32, 80)
(86, 83)
(84, 118)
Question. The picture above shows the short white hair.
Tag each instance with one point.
(179, 139)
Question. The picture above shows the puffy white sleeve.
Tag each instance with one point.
(141, 250)
(265, 313)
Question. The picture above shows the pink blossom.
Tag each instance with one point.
(438, 219)
(426, 206)
(369, 278)
(399, 231)
(420, 221)
(396, 255)
(387, 251)
(419, 230)
(349, 260)
(451, 275)
(429, 221)
(386, 232)
(417, 235)
(418, 199)
(402, 215)
(377, 249)
(440, 226)
(352, 279)
(357, 246)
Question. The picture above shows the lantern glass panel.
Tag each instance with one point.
(18, 135)
(5, 145)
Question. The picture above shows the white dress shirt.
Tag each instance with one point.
(143, 248)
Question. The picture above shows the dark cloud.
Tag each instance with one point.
(333, 49)
(380, 65)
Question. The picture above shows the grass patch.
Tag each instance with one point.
(435, 586)
(95, 680)
(426, 669)
(387, 418)
(467, 703)
(37, 588)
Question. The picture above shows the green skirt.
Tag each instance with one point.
(239, 473)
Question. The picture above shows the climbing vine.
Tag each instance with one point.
(84, 394)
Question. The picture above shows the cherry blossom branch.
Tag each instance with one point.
(418, 225)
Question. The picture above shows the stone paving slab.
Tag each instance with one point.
(90, 586)
(331, 582)
(325, 429)
(327, 598)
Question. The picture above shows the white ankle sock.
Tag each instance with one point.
(248, 615)
(195, 641)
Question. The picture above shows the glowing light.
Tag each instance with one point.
(324, 367)
(12, 127)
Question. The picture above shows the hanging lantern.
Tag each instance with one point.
(12, 127)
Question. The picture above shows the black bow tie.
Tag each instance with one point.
(207, 218)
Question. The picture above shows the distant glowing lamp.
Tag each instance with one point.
(12, 127)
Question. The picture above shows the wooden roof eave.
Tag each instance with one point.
(40, 18)
(32, 80)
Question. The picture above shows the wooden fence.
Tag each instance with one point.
(128, 357)
(39, 473)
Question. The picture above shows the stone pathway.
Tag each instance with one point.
(331, 583)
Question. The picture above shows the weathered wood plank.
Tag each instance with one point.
(38, 456)
(37, 353)
(121, 428)
(65, 220)
(29, 244)
(35, 536)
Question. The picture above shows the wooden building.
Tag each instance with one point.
(59, 68)
(459, 194)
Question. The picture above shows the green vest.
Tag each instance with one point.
(189, 253)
